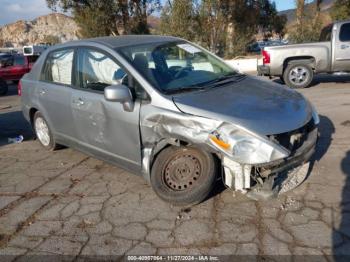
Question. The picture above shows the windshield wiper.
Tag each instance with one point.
(184, 89)
(212, 83)
(224, 79)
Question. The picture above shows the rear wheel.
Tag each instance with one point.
(43, 132)
(183, 175)
(3, 87)
(298, 75)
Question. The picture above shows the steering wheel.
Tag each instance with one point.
(182, 70)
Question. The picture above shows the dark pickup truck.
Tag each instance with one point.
(12, 68)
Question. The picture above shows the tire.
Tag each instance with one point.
(183, 176)
(43, 132)
(302, 74)
(3, 87)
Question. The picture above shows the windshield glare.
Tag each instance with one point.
(175, 65)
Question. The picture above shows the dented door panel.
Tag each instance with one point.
(105, 128)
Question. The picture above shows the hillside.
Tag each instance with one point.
(326, 7)
(33, 32)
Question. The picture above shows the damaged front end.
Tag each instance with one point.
(251, 163)
(276, 176)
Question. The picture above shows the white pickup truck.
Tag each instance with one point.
(297, 64)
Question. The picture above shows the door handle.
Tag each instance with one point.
(42, 92)
(79, 102)
(344, 46)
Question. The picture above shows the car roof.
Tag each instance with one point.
(126, 40)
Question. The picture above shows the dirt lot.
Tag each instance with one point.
(65, 202)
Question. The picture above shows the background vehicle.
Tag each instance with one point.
(297, 64)
(12, 68)
(31, 50)
(258, 46)
(168, 110)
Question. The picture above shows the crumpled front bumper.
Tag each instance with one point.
(238, 177)
(300, 156)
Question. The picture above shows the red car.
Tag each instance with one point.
(12, 68)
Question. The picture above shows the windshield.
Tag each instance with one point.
(174, 66)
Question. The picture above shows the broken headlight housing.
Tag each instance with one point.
(246, 148)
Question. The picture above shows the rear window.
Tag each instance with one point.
(344, 35)
(19, 60)
(58, 67)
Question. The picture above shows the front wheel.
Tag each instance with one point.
(3, 87)
(183, 176)
(298, 75)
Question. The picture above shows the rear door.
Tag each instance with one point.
(54, 93)
(342, 49)
(104, 127)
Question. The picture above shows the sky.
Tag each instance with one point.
(13, 10)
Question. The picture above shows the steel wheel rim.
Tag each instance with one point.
(299, 75)
(42, 131)
(182, 172)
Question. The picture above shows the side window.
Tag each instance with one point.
(9, 61)
(19, 60)
(96, 70)
(58, 67)
(344, 35)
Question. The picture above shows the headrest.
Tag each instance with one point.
(140, 61)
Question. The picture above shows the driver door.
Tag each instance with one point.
(103, 127)
(342, 49)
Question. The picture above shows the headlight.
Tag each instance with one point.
(246, 148)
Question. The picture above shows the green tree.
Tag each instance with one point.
(181, 18)
(108, 17)
(269, 21)
(212, 25)
(223, 26)
(177, 19)
(300, 14)
(309, 22)
(279, 25)
(341, 10)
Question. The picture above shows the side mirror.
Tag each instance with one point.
(120, 93)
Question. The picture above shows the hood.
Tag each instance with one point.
(259, 105)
